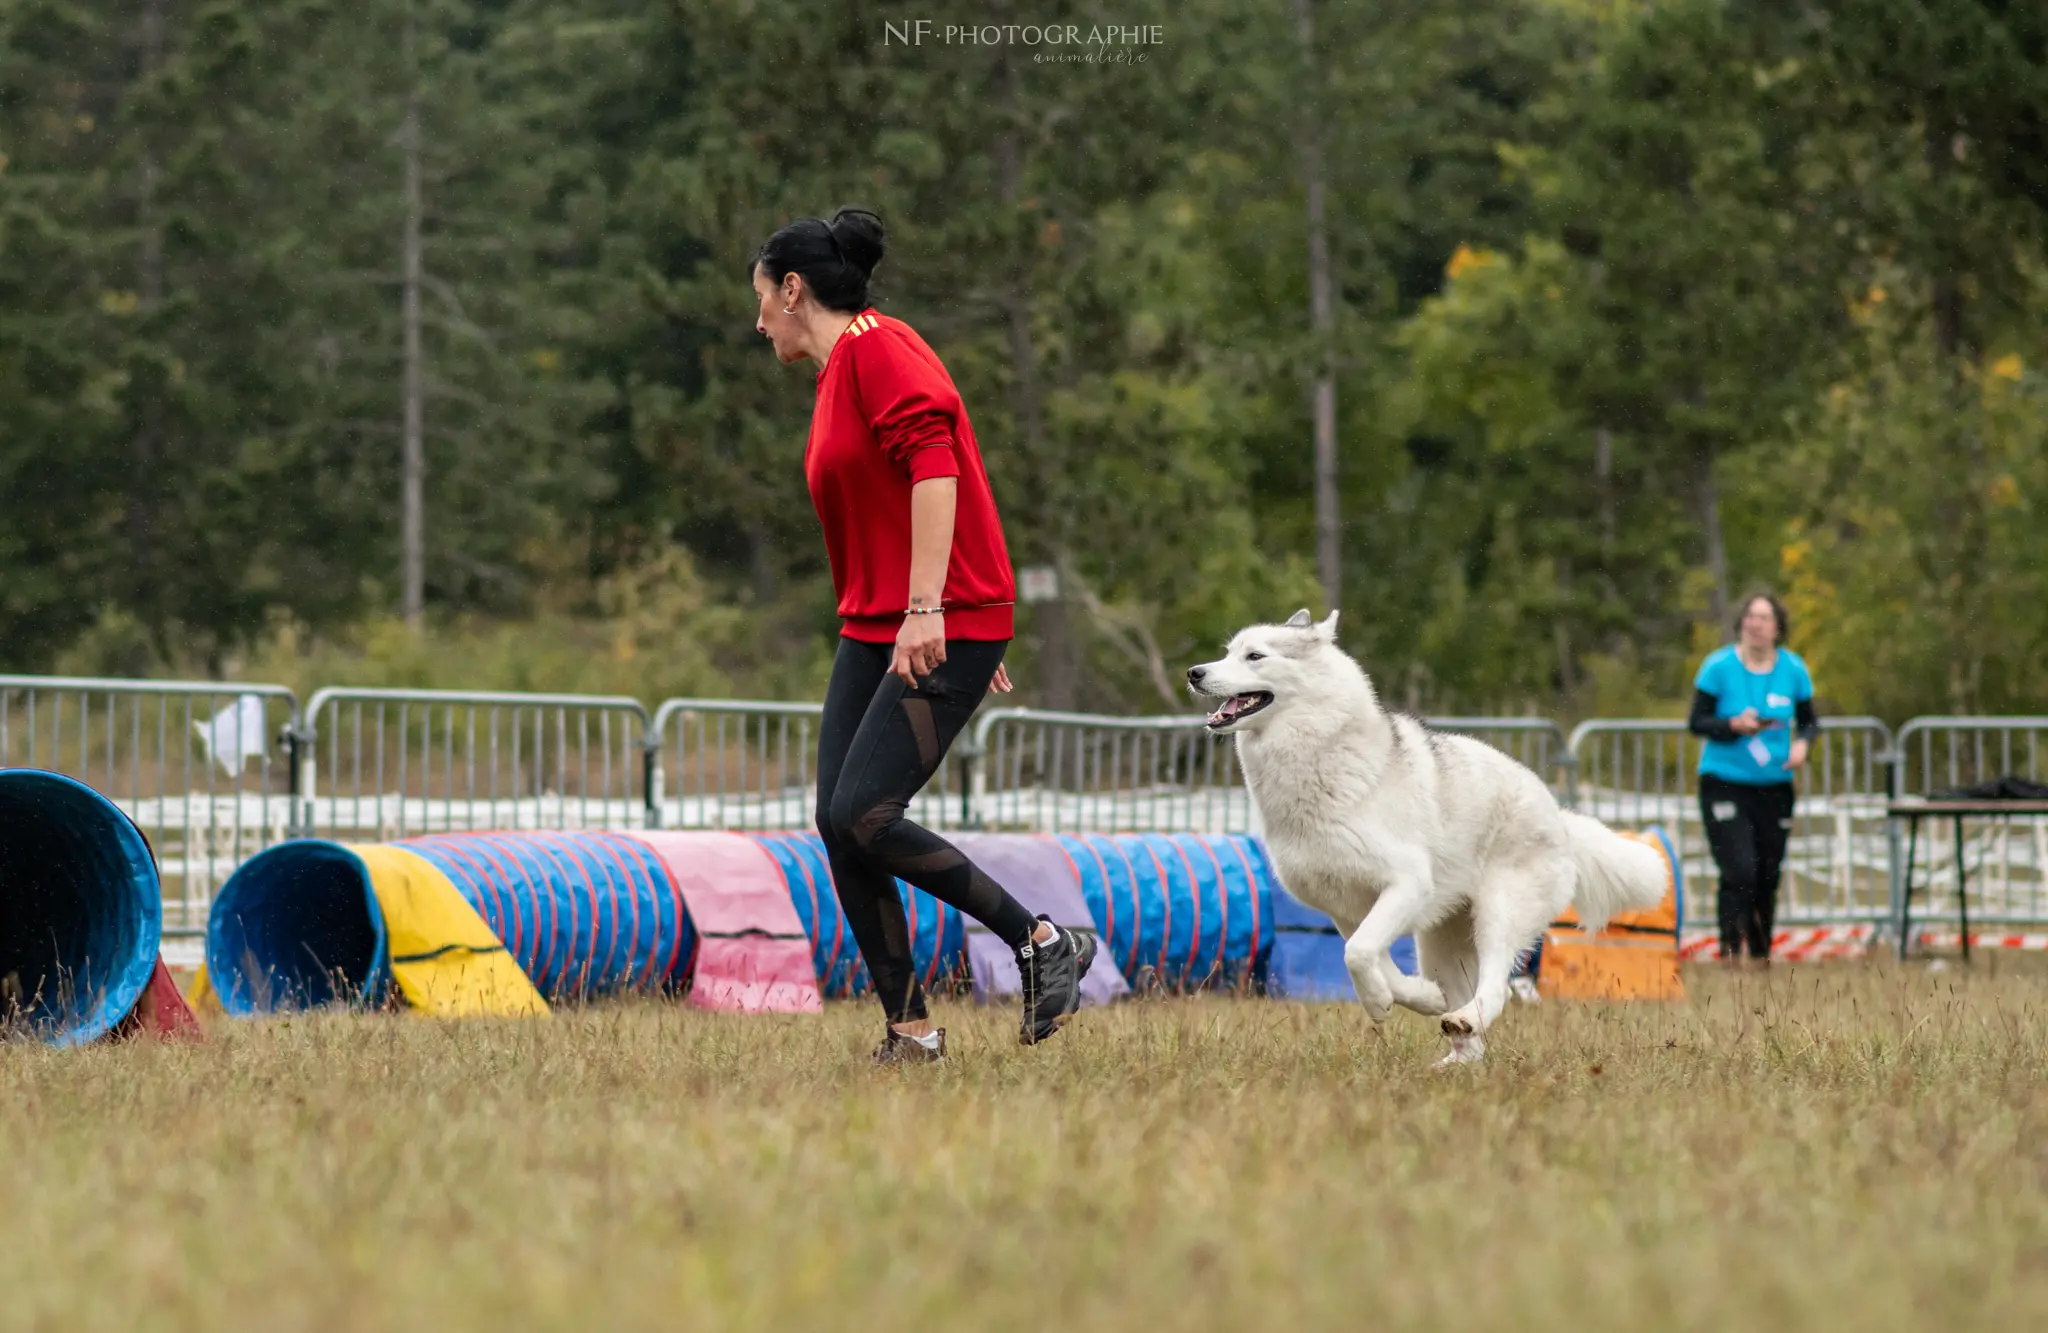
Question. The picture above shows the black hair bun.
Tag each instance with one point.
(858, 233)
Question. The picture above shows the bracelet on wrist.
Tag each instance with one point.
(925, 611)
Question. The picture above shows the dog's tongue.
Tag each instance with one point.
(1232, 706)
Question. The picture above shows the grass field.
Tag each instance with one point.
(1833, 1147)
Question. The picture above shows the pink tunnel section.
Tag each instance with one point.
(161, 1012)
(752, 953)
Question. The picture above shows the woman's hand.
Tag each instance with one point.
(1001, 684)
(920, 647)
(1798, 755)
(1746, 723)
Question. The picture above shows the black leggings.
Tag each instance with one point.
(1747, 826)
(878, 744)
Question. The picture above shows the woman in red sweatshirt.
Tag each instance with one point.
(925, 601)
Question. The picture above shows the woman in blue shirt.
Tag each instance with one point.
(1753, 704)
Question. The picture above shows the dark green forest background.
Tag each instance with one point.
(1635, 304)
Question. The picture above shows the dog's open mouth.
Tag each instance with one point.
(1238, 707)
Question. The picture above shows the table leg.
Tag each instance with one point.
(1906, 889)
(1962, 890)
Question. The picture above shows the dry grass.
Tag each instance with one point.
(1848, 1147)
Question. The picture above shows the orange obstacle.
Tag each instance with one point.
(1634, 958)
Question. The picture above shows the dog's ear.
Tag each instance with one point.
(1299, 620)
(1328, 628)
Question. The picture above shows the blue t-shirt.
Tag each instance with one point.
(1758, 760)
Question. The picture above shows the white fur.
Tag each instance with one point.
(1394, 829)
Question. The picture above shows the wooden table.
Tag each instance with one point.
(1913, 811)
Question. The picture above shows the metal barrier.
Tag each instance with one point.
(2006, 862)
(746, 764)
(381, 764)
(1636, 772)
(175, 756)
(1081, 773)
(377, 764)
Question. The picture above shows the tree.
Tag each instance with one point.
(1672, 305)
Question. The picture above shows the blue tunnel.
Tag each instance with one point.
(295, 927)
(80, 909)
(1185, 911)
(584, 914)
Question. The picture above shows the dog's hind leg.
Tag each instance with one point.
(1447, 957)
(1506, 914)
(1450, 959)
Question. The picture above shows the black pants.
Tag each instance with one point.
(1747, 827)
(878, 744)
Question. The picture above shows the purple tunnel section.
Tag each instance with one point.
(1037, 872)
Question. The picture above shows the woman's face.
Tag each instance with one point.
(783, 331)
(1759, 624)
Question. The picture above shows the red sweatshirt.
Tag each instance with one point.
(888, 417)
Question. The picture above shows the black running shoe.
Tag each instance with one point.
(897, 1049)
(1052, 974)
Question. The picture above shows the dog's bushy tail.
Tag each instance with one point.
(1616, 874)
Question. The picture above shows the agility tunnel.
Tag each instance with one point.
(751, 920)
(506, 923)
(460, 923)
(81, 917)
(1181, 911)
(509, 922)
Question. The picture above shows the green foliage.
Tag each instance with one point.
(1923, 566)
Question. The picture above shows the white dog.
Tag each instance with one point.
(1394, 829)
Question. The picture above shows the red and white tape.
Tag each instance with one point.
(2034, 941)
(1797, 944)
(1807, 944)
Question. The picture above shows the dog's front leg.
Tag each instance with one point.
(1368, 954)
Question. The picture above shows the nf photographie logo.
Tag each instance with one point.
(919, 32)
(1050, 43)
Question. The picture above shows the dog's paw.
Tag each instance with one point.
(1423, 996)
(1464, 1051)
(1374, 993)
